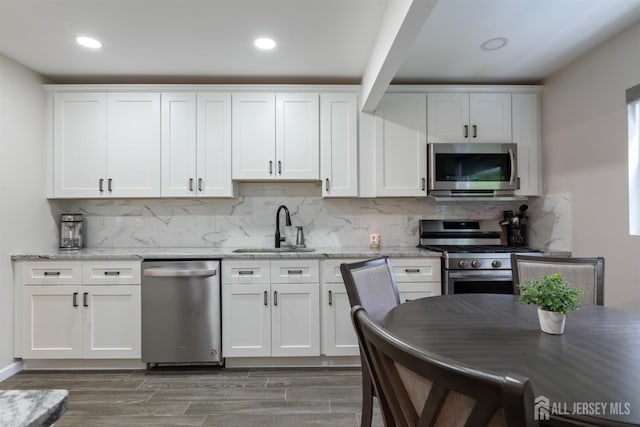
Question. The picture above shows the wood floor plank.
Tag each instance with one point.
(289, 420)
(260, 407)
(210, 394)
(131, 421)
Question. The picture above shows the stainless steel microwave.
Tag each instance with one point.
(472, 170)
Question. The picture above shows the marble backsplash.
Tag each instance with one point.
(249, 219)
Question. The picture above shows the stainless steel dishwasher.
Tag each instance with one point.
(181, 312)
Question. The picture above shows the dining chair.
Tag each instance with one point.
(424, 389)
(583, 273)
(371, 284)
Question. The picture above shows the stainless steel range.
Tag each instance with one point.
(473, 258)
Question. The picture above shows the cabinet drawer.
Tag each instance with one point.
(249, 271)
(416, 269)
(330, 269)
(109, 272)
(295, 271)
(52, 272)
(411, 291)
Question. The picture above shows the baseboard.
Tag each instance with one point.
(10, 370)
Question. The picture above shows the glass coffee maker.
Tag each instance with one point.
(71, 233)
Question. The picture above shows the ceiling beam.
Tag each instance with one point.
(400, 26)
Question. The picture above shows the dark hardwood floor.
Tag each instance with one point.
(204, 396)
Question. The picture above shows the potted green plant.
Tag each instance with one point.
(555, 299)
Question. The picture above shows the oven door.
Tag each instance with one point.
(472, 167)
(478, 282)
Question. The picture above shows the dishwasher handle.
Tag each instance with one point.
(177, 272)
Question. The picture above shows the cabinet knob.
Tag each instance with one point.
(190, 184)
(200, 184)
(101, 185)
(330, 298)
(270, 167)
(475, 131)
(75, 299)
(279, 167)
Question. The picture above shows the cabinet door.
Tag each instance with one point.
(133, 141)
(178, 145)
(295, 320)
(246, 321)
(51, 322)
(297, 136)
(526, 133)
(339, 144)
(253, 135)
(338, 335)
(448, 117)
(401, 148)
(112, 322)
(214, 145)
(79, 144)
(490, 117)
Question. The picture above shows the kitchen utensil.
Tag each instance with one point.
(71, 231)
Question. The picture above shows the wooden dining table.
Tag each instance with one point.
(590, 371)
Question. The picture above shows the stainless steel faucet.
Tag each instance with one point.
(287, 222)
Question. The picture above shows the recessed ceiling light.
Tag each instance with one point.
(494, 44)
(89, 42)
(265, 43)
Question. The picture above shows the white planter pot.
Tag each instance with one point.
(551, 322)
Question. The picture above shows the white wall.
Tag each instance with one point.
(25, 218)
(585, 155)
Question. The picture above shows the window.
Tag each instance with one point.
(633, 120)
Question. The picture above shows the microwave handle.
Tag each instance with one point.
(512, 157)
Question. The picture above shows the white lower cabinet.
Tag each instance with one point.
(276, 314)
(415, 277)
(79, 321)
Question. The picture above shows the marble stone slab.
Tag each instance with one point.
(32, 408)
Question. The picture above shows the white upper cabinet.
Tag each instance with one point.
(178, 144)
(106, 145)
(276, 136)
(79, 144)
(133, 144)
(401, 146)
(469, 117)
(526, 133)
(196, 145)
(254, 135)
(214, 145)
(297, 136)
(339, 144)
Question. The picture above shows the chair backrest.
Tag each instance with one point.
(425, 389)
(584, 273)
(372, 285)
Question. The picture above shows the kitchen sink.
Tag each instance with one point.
(271, 250)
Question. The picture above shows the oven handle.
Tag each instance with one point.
(512, 158)
(490, 274)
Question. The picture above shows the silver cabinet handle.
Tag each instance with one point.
(327, 184)
(412, 270)
(512, 159)
(330, 298)
(292, 272)
(171, 272)
(101, 185)
(75, 299)
(51, 273)
(190, 184)
(475, 131)
(424, 183)
(270, 167)
(466, 131)
(275, 297)
(279, 167)
(85, 301)
(111, 273)
(245, 272)
(200, 184)
(109, 181)
(266, 303)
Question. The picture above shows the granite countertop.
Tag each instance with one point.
(226, 253)
(21, 408)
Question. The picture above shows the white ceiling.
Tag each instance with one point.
(319, 41)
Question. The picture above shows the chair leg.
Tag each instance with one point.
(367, 399)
